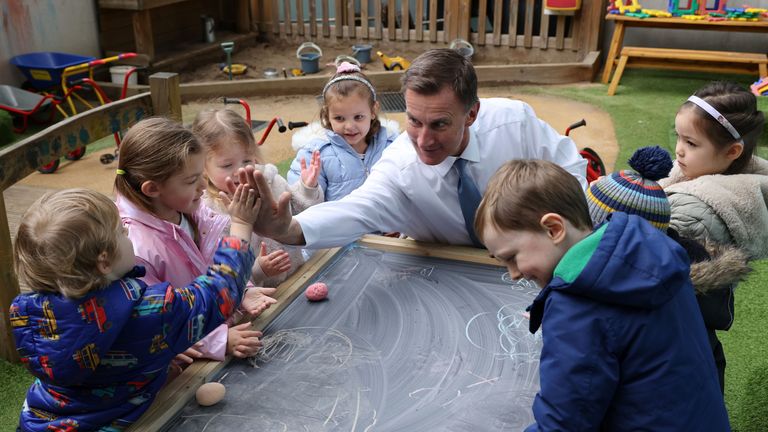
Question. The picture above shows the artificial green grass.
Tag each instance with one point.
(15, 381)
(746, 351)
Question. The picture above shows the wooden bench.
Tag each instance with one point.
(696, 60)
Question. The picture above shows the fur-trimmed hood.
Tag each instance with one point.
(722, 208)
(727, 266)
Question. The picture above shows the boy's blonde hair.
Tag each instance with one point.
(213, 127)
(153, 150)
(522, 191)
(60, 239)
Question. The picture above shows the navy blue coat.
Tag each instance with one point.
(625, 348)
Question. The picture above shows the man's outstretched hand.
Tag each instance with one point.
(274, 218)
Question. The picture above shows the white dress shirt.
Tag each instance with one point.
(402, 194)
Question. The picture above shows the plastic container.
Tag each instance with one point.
(118, 75)
(362, 52)
(463, 47)
(43, 69)
(208, 28)
(310, 61)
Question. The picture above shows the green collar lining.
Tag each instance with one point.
(577, 257)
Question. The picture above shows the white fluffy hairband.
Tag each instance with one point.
(346, 70)
(701, 103)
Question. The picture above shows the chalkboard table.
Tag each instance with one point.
(404, 342)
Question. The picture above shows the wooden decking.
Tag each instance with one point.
(18, 198)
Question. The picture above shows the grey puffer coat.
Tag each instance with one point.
(725, 209)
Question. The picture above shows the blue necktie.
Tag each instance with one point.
(469, 199)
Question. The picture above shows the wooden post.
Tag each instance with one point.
(433, 21)
(288, 22)
(9, 287)
(166, 94)
(300, 17)
(312, 18)
(365, 30)
(528, 36)
(142, 33)
(377, 18)
(275, 17)
(405, 22)
(257, 14)
(513, 11)
(462, 18)
(419, 20)
(243, 23)
(481, 17)
(591, 23)
(351, 21)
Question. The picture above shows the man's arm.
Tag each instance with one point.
(379, 204)
(553, 147)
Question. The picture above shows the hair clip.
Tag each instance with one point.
(347, 67)
(120, 172)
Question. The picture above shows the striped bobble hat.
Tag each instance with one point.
(634, 191)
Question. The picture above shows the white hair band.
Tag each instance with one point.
(352, 78)
(701, 103)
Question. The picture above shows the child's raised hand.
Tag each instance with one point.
(243, 207)
(309, 174)
(243, 342)
(257, 300)
(274, 263)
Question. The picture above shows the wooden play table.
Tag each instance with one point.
(622, 22)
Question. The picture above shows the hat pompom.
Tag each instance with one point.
(652, 163)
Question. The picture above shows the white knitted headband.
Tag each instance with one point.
(347, 69)
(701, 103)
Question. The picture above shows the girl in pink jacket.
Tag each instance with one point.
(159, 187)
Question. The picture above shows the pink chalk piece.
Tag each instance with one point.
(316, 292)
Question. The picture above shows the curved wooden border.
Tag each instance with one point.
(24, 157)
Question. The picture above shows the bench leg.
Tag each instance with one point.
(617, 75)
(763, 67)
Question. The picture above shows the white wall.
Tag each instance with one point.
(68, 26)
(692, 39)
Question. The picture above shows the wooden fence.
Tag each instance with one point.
(522, 24)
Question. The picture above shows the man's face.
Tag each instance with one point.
(438, 124)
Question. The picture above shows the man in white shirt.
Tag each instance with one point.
(413, 187)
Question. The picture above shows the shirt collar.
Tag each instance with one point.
(471, 153)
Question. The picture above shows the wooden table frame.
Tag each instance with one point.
(178, 392)
(622, 22)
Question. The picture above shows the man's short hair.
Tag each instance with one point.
(522, 191)
(60, 239)
(437, 68)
